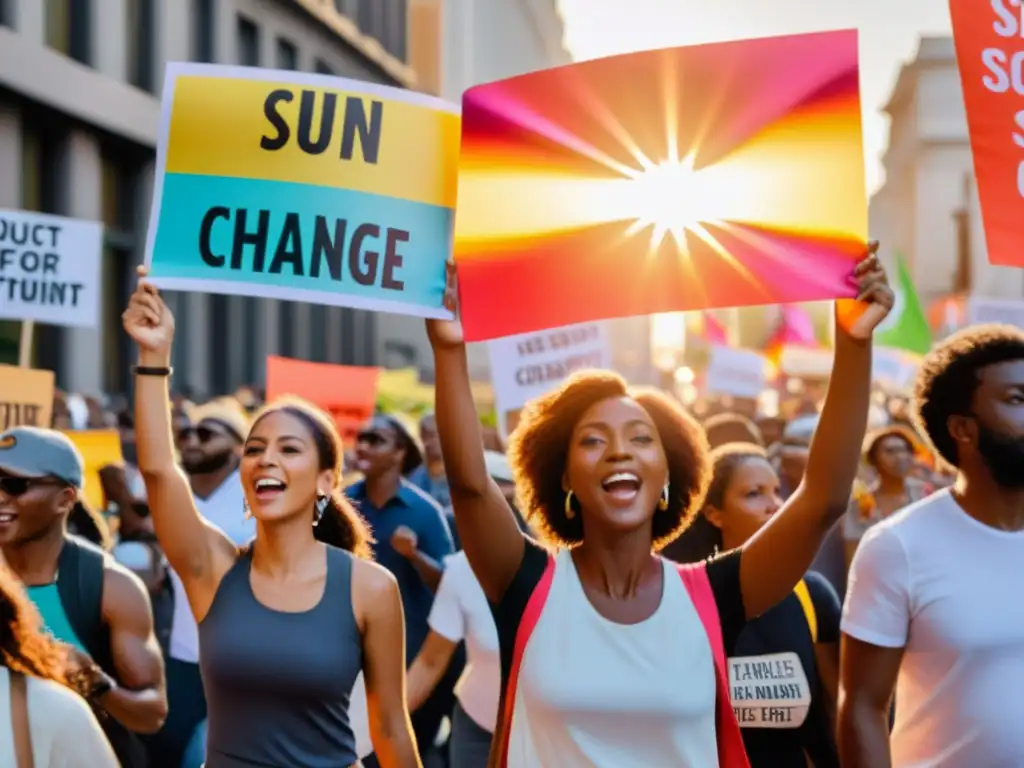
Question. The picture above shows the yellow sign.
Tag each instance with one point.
(99, 448)
(26, 397)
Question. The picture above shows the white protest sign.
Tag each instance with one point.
(736, 372)
(1008, 311)
(769, 691)
(810, 362)
(893, 368)
(49, 269)
(526, 366)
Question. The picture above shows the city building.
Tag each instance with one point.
(80, 82)
(927, 209)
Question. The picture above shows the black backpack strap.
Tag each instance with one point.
(80, 572)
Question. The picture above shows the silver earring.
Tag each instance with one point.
(321, 507)
(246, 512)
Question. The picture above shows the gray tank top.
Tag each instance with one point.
(278, 684)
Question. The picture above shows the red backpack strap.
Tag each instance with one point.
(731, 751)
(531, 615)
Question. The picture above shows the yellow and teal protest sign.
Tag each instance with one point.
(303, 187)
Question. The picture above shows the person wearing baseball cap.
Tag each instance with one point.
(97, 608)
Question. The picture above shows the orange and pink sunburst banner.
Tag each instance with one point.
(719, 175)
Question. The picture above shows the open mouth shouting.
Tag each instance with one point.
(623, 487)
(269, 488)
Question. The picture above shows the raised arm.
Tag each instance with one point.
(487, 527)
(198, 552)
(778, 555)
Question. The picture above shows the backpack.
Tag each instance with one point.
(731, 751)
(803, 594)
(81, 596)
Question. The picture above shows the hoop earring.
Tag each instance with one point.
(570, 513)
(246, 512)
(663, 501)
(321, 507)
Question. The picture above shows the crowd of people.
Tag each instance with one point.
(626, 583)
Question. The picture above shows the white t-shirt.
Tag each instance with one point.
(63, 729)
(461, 612)
(225, 508)
(948, 588)
(604, 695)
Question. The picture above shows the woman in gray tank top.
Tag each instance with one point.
(286, 624)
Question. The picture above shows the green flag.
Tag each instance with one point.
(906, 327)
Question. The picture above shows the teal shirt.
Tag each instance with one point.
(55, 621)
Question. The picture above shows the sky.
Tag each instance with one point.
(889, 31)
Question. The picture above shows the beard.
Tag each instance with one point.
(1003, 455)
(207, 465)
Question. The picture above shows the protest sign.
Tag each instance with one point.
(632, 200)
(26, 397)
(806, 362)
(527, 366)
(770, 691)
(736, 372)
(989, 39)
(99, 448)
(1007, 311)
(49, 269)
(347, 392)
(303, 187)
(893, 369)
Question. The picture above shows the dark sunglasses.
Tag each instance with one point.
(202, 434)
(372, 439)
(13, 487)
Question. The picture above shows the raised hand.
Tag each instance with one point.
(875, 295)
(447, 333)
(148, 320)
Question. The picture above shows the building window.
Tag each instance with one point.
(118, 194)
(68, 27)
(141, 33)
(287, 54)
(248, 43)
(286, 328)
(396, 37)
(203, 31)
(219, 354)
(318, 333)
(323, 68)
(39, 183)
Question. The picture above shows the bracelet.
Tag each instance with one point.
(147, 370)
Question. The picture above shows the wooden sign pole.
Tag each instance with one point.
(25, 344)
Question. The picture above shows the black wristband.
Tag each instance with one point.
(148, 370)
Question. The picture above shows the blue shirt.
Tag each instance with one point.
(415, 510)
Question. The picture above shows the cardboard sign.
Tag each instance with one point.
(807, 362)
(528, 366)
(662, 181)
(347, 392)
(736, 372)
(303, 187)
(50, 269)
(99, 448)
(989, 38)
(769, 691)
(26, 397)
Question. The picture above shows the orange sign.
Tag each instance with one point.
(26, 397)
(989, 41)
(347, 392)
(99, 448)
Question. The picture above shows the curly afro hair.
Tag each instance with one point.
(948, 379)
(539, 447)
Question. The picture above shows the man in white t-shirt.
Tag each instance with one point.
(933, 605)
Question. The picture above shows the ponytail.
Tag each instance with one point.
(343, 527)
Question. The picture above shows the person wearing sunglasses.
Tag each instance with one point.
(412, 540)
(88, 602)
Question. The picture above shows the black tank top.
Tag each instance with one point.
(278, 684)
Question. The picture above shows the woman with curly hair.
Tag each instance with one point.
(610, 655)
(287, 623)
(42, 722)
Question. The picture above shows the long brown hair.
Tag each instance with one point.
(24, 646)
